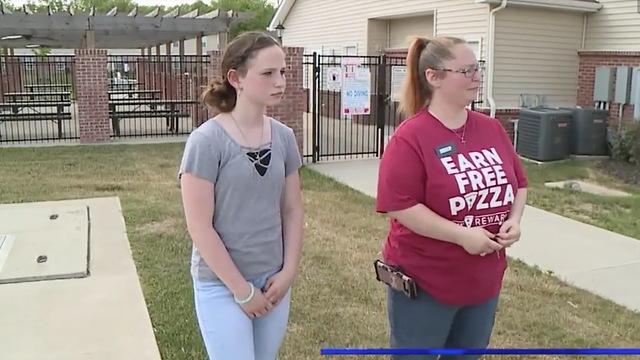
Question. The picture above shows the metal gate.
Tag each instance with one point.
(329, 133)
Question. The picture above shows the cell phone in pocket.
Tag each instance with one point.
(395, 278)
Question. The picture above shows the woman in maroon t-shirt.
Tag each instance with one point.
(455, 191)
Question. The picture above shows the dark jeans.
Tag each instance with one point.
(424, 323)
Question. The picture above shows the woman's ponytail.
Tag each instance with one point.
(416, 93)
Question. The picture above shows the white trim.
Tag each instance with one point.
(574, 5)
(281, 11)
(435, 22)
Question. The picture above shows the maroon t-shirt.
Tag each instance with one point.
(472, 184)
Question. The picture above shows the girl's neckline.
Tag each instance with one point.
(259, 147)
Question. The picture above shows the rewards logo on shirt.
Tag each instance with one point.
(482, 185)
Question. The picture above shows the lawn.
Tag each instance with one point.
(615, 214)
(336, 302)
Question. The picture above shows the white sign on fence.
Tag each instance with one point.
(356, 88)
(334, 80)
(398, 74)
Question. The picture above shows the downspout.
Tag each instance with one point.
(492, 35)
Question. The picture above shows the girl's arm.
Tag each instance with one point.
(292, 223)
(198, 200)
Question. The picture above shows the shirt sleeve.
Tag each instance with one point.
(521, 176)
(401, 177)
(293, 160)
(200, 158)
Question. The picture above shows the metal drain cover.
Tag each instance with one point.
(40, 242)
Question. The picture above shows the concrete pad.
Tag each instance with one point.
(101, 316)
(44, 243)
(578, 185)
(360, 175)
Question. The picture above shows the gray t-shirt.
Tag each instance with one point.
(249, 191)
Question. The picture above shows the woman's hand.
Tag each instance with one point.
(278, 285)
(509, 233)
(258, 305)
(478, 241)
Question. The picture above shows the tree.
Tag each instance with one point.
(263, 12)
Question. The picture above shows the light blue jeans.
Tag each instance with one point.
(228, 333)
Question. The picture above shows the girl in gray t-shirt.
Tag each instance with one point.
(242, 202)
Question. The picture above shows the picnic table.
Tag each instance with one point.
(121, 109)
(40, 96)
(41, 112)
(125, 84)
(49, 87)
(135, 93)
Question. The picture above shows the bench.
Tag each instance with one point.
(171, 116)
(57, 117)
(52, 97)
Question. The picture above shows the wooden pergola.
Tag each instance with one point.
(112, 30)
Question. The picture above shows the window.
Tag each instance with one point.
(350, 50)
(476, 46)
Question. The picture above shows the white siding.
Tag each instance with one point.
(614, 27)
(335, 23)
(536, 53)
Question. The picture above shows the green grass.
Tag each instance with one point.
(613, 213)
(336, 301)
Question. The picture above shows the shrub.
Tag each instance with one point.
(625, 144)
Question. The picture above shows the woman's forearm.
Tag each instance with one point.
(519, 202)
(214, 253)
(423, 221)
(292, 225)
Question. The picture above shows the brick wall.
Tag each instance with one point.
(504, 116)
(10, 75)
(290, 110)
(589, 60)
(293, 104)
(91, 93)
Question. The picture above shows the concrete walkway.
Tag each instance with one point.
(599, 261)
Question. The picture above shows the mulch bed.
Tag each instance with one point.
(625, 172)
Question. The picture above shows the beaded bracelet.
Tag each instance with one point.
(248, 297)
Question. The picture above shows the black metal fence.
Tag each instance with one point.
(354, 122)
(37, 96)
(156, 95)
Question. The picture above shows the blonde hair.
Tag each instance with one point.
(423, 54)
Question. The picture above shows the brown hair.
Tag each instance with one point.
(424, 54)
(221, 95)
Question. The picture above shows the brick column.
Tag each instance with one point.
(213, 74)
(290, 110)
(10, 75)
(91, 94)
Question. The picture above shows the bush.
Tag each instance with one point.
(625, 144)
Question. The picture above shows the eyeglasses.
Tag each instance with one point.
(468, 72)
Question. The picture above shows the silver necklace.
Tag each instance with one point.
(242, 133)
(464, 128)
(464, 131)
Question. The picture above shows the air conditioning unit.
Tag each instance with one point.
(589, 131)
(544, 133)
